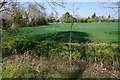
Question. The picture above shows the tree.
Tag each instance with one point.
(109, 16)
(77, 16)
(107, 20)
(116, 20)
(15, 13)
(62, 18)
(88, 17)
(95, 19)
(85, 20)
(70, 19)
(75, 20)
(67, 17)
(80, 20)
(94, 15)
(73, 11)
(24, 16)
(29, 16)
(115, 5)
(3, 21)
(58, 21)
(51, 18)
(56, 16)
(2, 3)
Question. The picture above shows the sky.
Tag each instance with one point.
(86, 9)
(70, 0)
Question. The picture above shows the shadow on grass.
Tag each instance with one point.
(77, 37)
(40, 25)
(64, 37)
(61, 37)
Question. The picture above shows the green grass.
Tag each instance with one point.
(82, 32)
(55, 38)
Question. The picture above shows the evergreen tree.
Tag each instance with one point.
(109, 16)
(94, 15)
(67, 16)
(88, 17)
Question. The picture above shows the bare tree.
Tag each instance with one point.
(73, 13)
(3, 3)
(53, 4)
(115, 6)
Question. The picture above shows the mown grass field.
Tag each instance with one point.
(43, 51)
(82, 32)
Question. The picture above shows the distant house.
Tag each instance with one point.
(60, 22)
(49, 23)
(111, 19)
(101, 19)
(88, 20)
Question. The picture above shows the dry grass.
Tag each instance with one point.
(60, 68)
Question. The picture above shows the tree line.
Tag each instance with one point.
(25, 16)
(18, 15)
(67, 18)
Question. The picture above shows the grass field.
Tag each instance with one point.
(43, 51)
(82, 32)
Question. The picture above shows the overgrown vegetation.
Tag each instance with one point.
(53, 46)
(92, 52)
(104, 55)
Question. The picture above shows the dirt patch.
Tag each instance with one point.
(94, 44)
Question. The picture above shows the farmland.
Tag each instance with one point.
(93, 32)
(43, 51)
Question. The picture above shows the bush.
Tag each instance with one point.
(48, 48)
